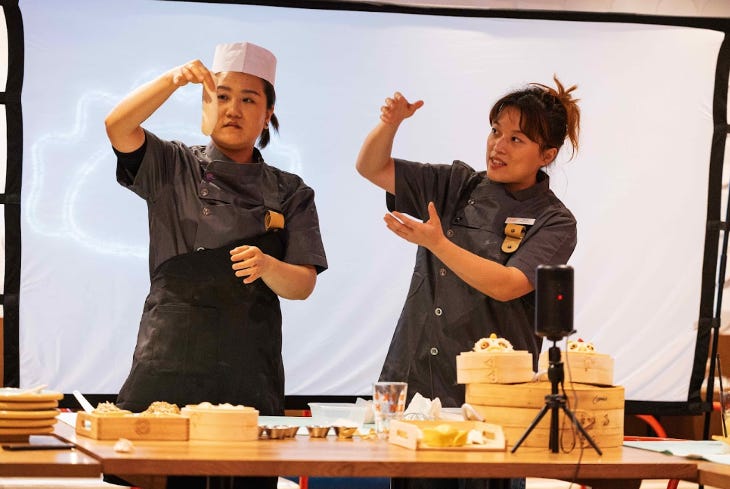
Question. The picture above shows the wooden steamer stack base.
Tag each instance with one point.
(600, 410)
(222, 423)
(596, 404)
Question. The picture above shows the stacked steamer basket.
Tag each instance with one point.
(222, 422)
(493, 361)
(24, 413)
(514, 404)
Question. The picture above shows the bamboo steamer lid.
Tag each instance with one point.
(506, 367)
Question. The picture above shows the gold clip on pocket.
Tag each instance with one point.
(513, 234)
(273, 220)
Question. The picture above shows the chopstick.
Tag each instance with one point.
(84, 403)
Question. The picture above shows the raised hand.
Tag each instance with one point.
(397, 108)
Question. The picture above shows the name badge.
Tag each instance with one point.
(525, 221)
(515, 229)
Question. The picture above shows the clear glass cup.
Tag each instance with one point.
(725, 405)
(389, 402)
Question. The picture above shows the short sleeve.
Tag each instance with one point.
(304, 240)
(128, 164)
(157, 167)
(550, 241)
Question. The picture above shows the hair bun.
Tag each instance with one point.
(570, 104)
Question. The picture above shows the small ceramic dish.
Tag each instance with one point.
(317, 431)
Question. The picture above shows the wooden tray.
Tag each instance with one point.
(22, 434)
(42, 414)
(27, 406)
(408, 434)
(132, 427)
(13, 394)
(27, 423)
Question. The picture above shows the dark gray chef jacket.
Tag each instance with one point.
(444, 316)
(204, 335)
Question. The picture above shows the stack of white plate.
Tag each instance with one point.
(24, 413)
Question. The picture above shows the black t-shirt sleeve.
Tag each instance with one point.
(128, 163)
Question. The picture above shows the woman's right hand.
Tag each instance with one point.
(193, 72)
(374, 161)
(397, 108)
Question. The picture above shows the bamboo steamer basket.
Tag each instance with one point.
(583, 367)
(506, 367)
(222, 423)
(600, 410)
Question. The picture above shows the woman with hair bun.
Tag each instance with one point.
(480, 237)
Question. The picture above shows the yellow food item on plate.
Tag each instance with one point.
(444, 435)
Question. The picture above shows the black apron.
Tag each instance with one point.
(204, 334)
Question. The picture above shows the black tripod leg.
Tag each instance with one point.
(582, 430)
(537, 419)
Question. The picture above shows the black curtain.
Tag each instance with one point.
(10, 199)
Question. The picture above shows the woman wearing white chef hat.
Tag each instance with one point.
(229, 235)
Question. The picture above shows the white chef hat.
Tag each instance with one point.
(245, 57)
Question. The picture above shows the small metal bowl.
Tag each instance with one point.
(263, 431)
(278, 432)
(344, 432)
(292, 431)
(316, 431)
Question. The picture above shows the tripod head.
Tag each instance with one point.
(556, 375)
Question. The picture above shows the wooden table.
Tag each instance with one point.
(618, 467)
(715, 475)
(48, 463)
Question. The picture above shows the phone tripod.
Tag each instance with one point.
(554, 402)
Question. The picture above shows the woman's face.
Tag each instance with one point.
(512, 157)
(242, 112)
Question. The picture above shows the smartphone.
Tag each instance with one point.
(38, 442)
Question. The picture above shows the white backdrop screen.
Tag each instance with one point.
(637, 187)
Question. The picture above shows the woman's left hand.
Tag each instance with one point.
(426, 234)
(249, 262)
